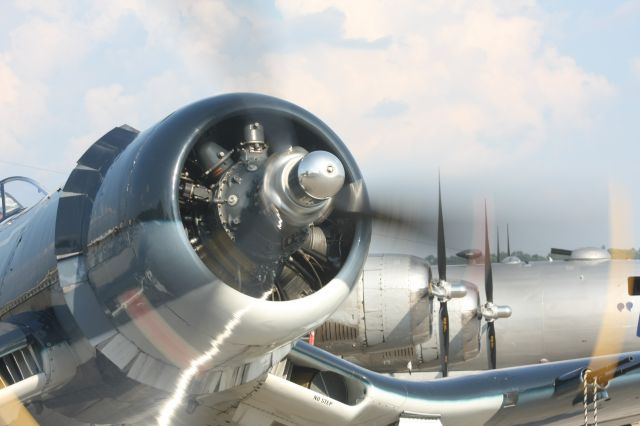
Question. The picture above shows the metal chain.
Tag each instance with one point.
(586, 386)
(595, 401)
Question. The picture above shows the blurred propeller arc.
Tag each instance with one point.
(351, 202)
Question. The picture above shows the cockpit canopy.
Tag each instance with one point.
(18, 193)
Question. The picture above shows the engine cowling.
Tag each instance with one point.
(387, 322)
(216, 227)
(388, 309)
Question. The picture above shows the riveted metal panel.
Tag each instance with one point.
(373, 317)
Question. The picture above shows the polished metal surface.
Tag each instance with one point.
(491, 311)
(394, 329)
(558, 311)
(561, 310)
(589, 253)
(254, 133)
(321, 174)
(533, 395)
(445, 290)
(279, 196)
(389, 311)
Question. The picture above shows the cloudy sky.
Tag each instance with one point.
(531, 105)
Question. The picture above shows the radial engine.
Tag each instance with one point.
(217, 237)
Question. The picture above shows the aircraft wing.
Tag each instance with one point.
(318, 388)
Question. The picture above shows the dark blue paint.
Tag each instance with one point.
(638, 330)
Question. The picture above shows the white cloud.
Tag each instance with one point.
(51, 8)
(104, 16)
(40, 47)
(361, 21)
(628, 9)
(467, 78)
(22, 106)
(108, 106)
(473, 75)
(192, 31)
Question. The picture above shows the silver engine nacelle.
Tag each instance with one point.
(391, 328)
(389, 308)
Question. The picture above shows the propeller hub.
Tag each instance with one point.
(445, 291)
(492, 312)
(282, 194)
(320, 174)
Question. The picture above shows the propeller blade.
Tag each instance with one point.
(444, 339)
(508, 242)
(488, 274)
(351, 201)
(491, 312)
(442, 256)
(491, 345)
(442, 276)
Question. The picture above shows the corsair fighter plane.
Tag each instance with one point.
(170, 281)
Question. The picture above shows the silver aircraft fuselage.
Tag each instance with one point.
(561, 310)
